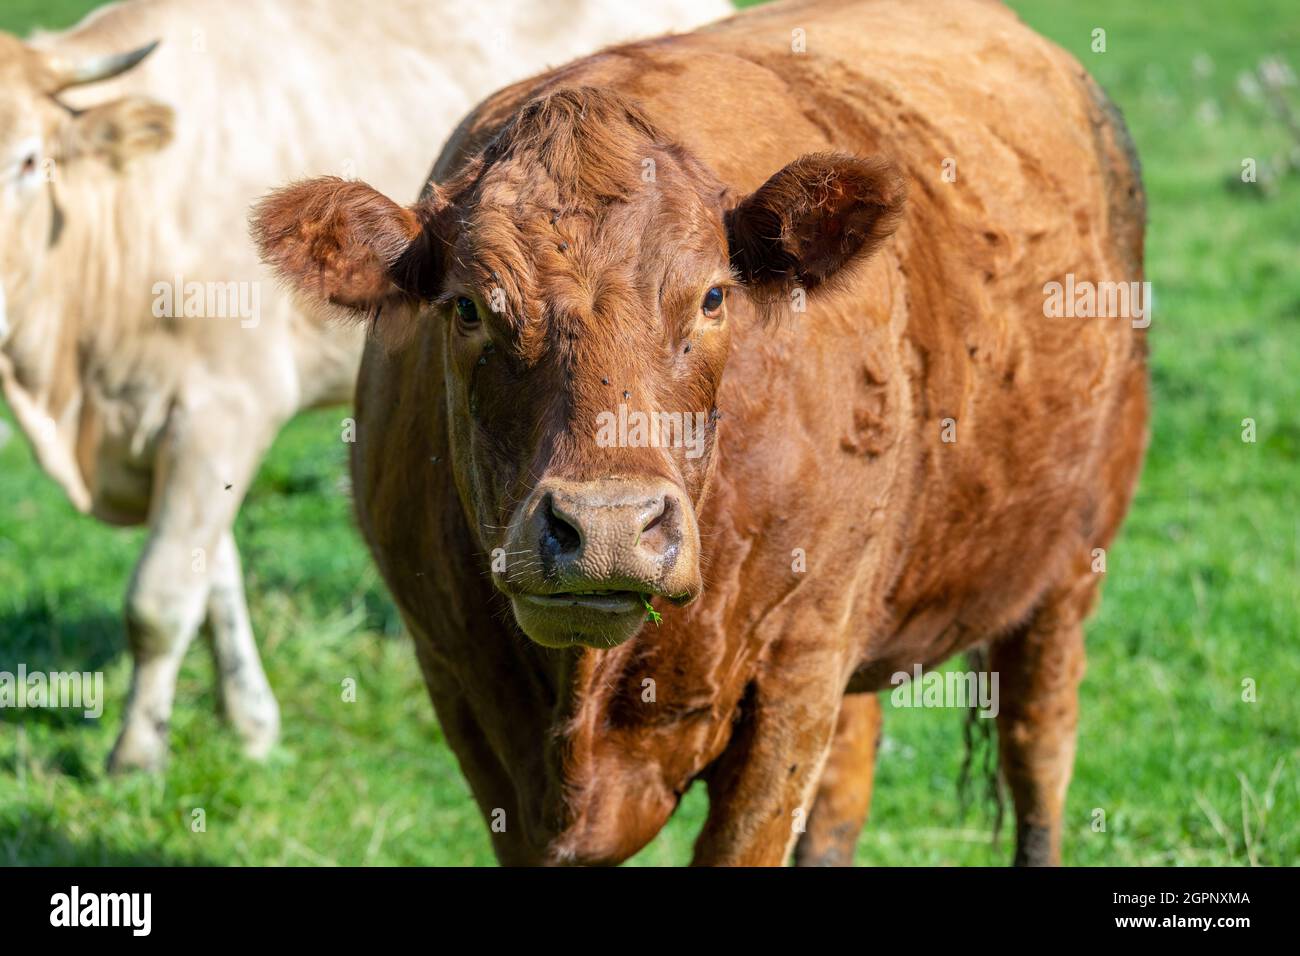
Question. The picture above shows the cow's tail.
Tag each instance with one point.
(981, 748)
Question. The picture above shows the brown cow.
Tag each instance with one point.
(920, 460)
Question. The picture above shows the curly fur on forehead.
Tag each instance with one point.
(590, 144)
(555, 211)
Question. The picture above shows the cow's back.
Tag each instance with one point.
(986, 448)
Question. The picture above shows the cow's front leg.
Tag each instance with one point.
(205, 461)
(1039, 669)
(761, 790)
(844, 790)
(245, 693)
(164, 607)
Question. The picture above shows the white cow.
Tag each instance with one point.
(147, 357)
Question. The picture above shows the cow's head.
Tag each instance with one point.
(581, 268)
(42, 138)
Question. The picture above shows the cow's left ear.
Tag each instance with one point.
(811, 220)
(342, 242)
(119, 130)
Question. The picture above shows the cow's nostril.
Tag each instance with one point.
(658, 518)
(661, 532)
(559, 536)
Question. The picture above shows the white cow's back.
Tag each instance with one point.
(268, 91)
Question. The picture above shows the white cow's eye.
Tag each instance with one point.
(22, 162)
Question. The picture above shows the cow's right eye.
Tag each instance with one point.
(466, 311)
(712, 302)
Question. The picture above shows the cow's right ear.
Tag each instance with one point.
(812, 222)
(345, 243)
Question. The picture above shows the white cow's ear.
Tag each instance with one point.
(119, 131)
(813, 220)
(345, 243)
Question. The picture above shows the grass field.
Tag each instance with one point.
(1202, 592)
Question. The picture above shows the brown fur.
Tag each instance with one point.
(343, 241)
(830, 446)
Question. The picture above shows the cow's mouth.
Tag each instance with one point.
(610, 602)
(597, 618)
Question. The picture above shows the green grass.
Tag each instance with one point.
(1202, 588)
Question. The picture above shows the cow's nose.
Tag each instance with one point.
(611, 528)
(587, 556)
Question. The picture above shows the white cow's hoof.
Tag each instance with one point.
(138, 751)
(258, 726)
(259, 746)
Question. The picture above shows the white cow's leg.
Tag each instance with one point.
(206, 459)
(246, 696)
(164, 607)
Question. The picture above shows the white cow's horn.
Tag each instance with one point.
(95, 68)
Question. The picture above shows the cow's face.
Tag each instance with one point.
(42, 139)
(583, 271)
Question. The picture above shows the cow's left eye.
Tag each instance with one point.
(712, 301)
(467, 311)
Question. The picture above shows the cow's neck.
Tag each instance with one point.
(60, 327)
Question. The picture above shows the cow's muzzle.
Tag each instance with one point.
(583, 559)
